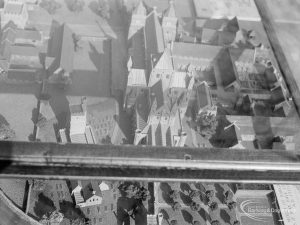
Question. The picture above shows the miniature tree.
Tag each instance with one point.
(41, 121)
(142, 194)
(38, 185)
(206, 124)
(232, 205)
(194, 194)
(78, 221)
(174, 195)
(209, 194)
(6, 133)
(51, 6)
(195, 206)
(214, 206)
(228, 196)
(104, 8)
(176, 206)
(236, 222)
(174, 222)
(106, 140)
(215, 222)
(76, 5)
(54, 218)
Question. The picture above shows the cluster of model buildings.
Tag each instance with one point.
(181, 67)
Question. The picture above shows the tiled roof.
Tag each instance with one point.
(137, 51)
(13, 8)
(62, 48)
(170, 12)
(197, 51)
(142, 110)
(157, 95)
(277, 95)
(242, 55)
(140, 9)
(153, 34)
(103, 118)
(24, 50)
(209, 36)
(178, 80)
(137, 77)
(227, 68)
(203, 96)
(165, 61)
(28, 34)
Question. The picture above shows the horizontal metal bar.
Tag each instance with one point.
(73, 161)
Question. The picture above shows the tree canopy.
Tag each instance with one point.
(75, 5)
(206, 124)
(104, 8)
(50, 6)
(6, 133)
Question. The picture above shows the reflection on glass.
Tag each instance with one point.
(153, 203)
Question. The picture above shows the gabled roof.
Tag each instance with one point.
(140, 9)
(242, 55)
(165, 61)
(13, 8)
(203, 96)
(170, 12)
(62, 48)
(137, 77)
(154, 34)
(198, 51)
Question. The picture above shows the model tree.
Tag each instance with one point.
(142, 194)
(54, 218)
(232, 205)
(174, 222)
(6, 133)
(213, 206)
(215, 222)
(78, 221)
(174, 195)
(76, 5)
(209, 194)
(228, 197)
(176, 206)
(38, 185)
(194, 194)
(195, 206)
(206, 124)
(50, 6)
(104, 8)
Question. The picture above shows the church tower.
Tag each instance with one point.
(169, 24)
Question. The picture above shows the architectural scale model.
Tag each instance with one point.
(169, 73)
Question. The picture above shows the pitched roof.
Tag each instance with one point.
(13, 8)
(242, 55)
(62, 48)
(170, 12)
(140, 9)
(137, 77)
(154, 34)
(197, 51)
(142, 110)
(28, 34)
(227, 68)
(165, 61)
(203, 95)
(277, 95)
